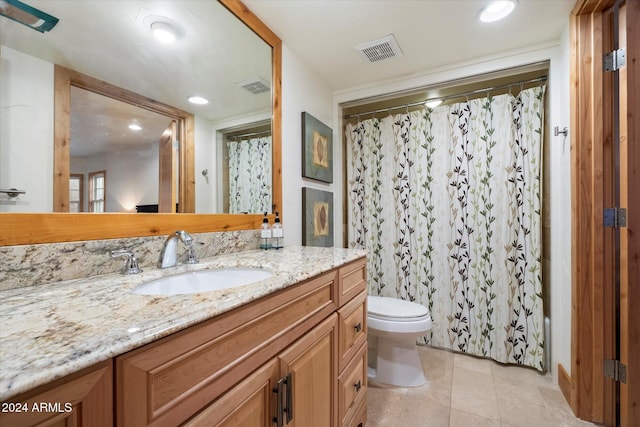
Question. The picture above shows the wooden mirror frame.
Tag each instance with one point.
(32, 228)
(64, 80)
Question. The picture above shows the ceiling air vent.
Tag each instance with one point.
(377, 50)
(255, 86)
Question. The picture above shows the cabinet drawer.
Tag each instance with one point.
(352, 388)
(352, 321)
(352, 279)
(164, 383)
(359, 418)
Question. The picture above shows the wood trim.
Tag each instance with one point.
(84, 398)
(242, 12)
(564, 382)
(587, 144)
(26, 229)
(592, 396)
(630, 198)
(30, 228)
(64, 79)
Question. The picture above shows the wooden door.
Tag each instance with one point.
(167, 190)
(629, 351)
(605, 172)
(248, 404)
(312, 362)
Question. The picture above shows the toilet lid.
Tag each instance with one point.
(383, 307)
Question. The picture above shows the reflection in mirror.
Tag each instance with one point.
(216, 56)
(246, 183)
(126, 142)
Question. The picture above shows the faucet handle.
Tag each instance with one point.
(191, 254)
(131, 264)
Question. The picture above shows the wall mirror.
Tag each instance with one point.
(223, 34)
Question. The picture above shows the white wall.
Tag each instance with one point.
(559, 209)
(558, 89)
(302, 91)
(26, 128)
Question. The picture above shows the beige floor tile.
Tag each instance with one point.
(465, 419)
(472, 363)
(474, 392)
(383, 407)
(463, 391)
(421, 413)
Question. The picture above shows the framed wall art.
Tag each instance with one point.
(317, 149)
(317, 217)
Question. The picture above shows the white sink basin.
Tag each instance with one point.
(202, 281)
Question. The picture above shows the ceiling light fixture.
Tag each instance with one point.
(164, 29)
(198, 100)
(164, 32)
(497, 10)
(27, 15)
(433, 103)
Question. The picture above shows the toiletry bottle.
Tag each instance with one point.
(265, 233)
(277, 232)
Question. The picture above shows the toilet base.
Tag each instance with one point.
(396, 363)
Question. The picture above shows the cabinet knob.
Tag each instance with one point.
(358, 386)
(358, 327)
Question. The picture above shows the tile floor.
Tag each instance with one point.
(464, 391)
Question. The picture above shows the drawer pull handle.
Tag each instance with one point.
(358, 327)
(358, 386)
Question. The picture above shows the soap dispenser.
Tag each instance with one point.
(277, 232)
(265, 233)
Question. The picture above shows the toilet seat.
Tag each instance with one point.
(396, 310)
(397, 316)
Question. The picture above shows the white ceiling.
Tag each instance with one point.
(431, 33)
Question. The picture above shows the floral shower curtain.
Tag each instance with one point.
(448, 203)
(250, 175)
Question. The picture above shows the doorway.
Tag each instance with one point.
(605, 175)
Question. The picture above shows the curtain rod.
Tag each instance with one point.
(244, 135)
(445, 98)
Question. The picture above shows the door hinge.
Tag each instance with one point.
(614, 60)
(615, 217)
(615, 370)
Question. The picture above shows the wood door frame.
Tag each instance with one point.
(591, 395)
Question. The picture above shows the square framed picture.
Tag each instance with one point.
(317, 217)
(317, 149)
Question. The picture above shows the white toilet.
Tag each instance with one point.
(394, 326)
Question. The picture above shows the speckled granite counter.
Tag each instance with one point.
(46, 334)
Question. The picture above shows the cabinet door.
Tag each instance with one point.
(312, 362)
(81, 399)
(248, 404)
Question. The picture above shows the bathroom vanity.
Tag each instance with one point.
(286, 351)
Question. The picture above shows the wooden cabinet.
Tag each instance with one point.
(352, 315)
(311, 368)
(170, 380)
(294, 358)
(247, 404)
(82, 399)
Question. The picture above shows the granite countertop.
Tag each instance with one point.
(47, 332)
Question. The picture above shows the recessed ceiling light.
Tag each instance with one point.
(433, 103)
(497, 10)
(135, 126)
(164, 29)
(164, 32)
(198, 100)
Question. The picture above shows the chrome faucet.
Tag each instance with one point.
(131, 264)
(168, 256)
